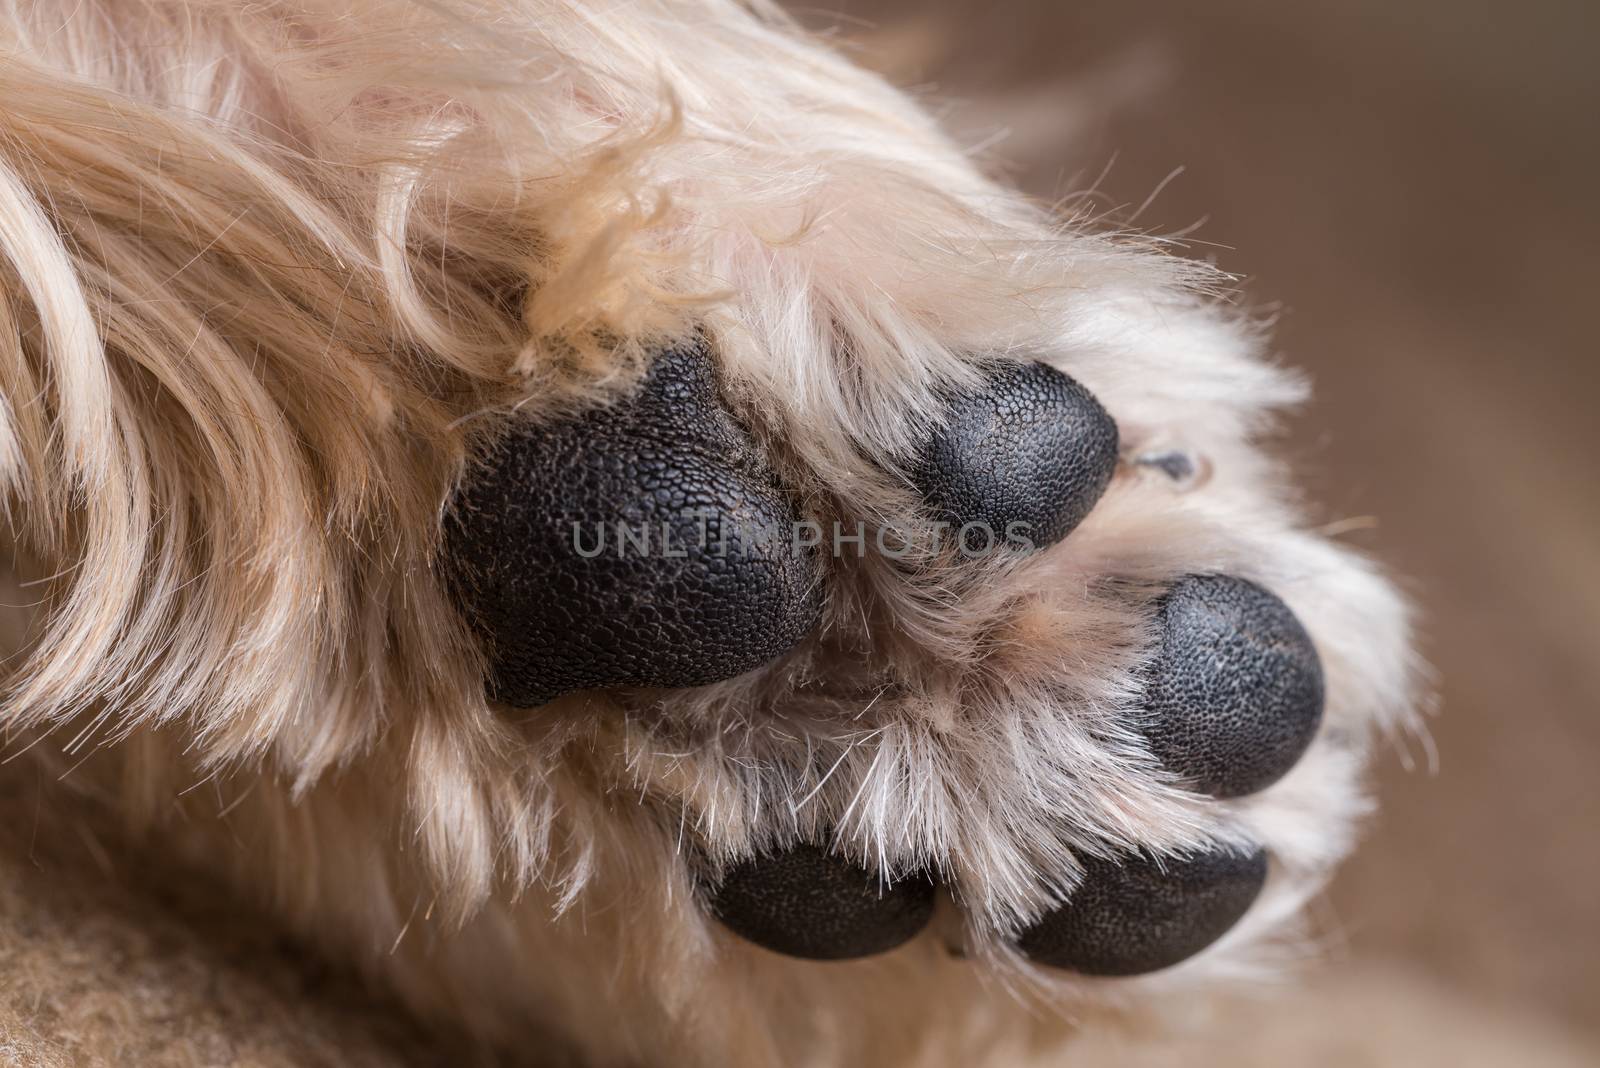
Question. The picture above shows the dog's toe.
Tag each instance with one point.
(806, 902)
(1024, 457)
(1234, 694)
(1233, 697)
(1138, 914)
(642, 544)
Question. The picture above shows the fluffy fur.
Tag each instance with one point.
(269, 271)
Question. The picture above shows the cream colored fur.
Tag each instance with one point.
(269, 271)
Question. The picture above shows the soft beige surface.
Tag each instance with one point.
(109, 959)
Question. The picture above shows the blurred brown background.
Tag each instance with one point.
(1414, 184)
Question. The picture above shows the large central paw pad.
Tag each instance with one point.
(1024, 458)
(1140, 915)
(806, 902)
(642, 544)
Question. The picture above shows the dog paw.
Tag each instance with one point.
(1068, 713)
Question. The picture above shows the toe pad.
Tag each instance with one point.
(1139, 916)
(1235, 692)
(1031, 447)
(806, 902)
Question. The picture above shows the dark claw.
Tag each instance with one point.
(1139, 916)
(1235, 693)
(1032, 447)
(806, 902)
(563, 602)
(1179, 465)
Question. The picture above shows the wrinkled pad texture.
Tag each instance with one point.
(1023, 459)
(1137, 914)
(641, 544)
(806, 902)
(1234, 695)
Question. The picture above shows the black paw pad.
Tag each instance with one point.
(1137, 916)
(1235, 693)
(641, 544)
(806, 902)
(1031, 447)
